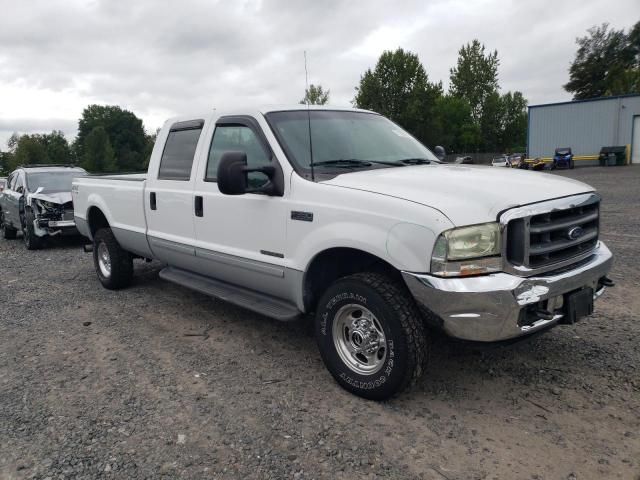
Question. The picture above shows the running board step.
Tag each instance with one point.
(249, 299)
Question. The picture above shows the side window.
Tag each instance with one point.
(10, 181)
(237, 138)
(19, 182)
(177, 157)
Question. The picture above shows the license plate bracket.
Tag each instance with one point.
(578, 305)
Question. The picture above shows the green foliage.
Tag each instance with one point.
(453, 126)
(124, 131)
(399, 89)
(475, 77)
(35, 148)
(98, 155)
(607, 63)
(514, 134)
(315, 95)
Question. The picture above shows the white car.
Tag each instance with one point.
(362, 227)
(500, 162)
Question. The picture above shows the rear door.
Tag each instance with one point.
(169, 196)
(14, 200)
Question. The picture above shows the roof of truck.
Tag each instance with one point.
(256, 111)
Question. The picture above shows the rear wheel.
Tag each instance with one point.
(31, 240)
(8, 232)
(370, 335)
(113, 264)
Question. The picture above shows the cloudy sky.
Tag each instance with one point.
(160, 58)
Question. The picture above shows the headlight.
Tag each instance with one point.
(467, 251)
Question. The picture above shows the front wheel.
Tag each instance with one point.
(370, 335)
(113, 264)
(31, 240)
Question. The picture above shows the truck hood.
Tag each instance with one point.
(53, 197)
(466, 194)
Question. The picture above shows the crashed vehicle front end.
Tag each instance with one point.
(53, 214)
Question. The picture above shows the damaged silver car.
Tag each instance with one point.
(37, 201)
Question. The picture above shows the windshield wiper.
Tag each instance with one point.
(414, 161)
(355, 162)
(343, 163)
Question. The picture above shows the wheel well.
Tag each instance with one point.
(96, 220)
(335, 263)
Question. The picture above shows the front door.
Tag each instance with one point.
(169, 197)
(241, 238)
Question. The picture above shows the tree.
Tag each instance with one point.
(492, 123)
(607, 63)
(57, 146)
(453, 126)
(124, 130)
(30, 150)
(475, 77)
(514, 111)
(98, 155)
(315, 95)
(399, 89)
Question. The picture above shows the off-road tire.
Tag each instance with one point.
(121, 261)
(31, 241)
(394, 308)
(8, 233)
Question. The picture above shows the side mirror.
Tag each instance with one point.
(20, 189)
(440, 153)
(232, 176)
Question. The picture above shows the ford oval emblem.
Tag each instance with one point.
(575, 233)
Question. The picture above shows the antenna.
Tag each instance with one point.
(306, 81)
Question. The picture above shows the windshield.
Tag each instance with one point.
(563, 151)
(52, 181)
(345, 140)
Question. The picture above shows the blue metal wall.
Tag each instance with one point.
(585, 126)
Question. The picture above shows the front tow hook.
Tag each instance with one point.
(606, 282)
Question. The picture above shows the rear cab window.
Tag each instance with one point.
(179, 150)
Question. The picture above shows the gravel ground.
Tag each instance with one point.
(157, 381)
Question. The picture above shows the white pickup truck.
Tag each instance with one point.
(341, 213)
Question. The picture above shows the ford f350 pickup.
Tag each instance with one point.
(342, 214)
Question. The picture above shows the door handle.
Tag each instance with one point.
(152, 200)
(198, 205)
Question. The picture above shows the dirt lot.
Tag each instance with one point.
(158, 381)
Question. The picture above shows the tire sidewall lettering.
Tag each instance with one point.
(325, 329)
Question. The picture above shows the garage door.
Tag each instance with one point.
(635, 141)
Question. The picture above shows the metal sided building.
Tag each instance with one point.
(586, 126)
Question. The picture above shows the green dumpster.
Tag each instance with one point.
(610, 156)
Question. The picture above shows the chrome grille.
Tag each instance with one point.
(551, 235)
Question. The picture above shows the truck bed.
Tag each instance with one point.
(120, 198)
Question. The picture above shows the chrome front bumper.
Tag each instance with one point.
(488, 308)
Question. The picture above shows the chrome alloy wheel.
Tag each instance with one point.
(359, 339)
(104, 260)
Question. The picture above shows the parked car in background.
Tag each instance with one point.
(502, 161)
(516, 160)
(368, 231)
(562, 158)
(466, 160)
(37, 201)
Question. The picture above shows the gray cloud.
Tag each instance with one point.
(162, 58)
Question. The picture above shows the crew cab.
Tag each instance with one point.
(37, 201)
(342, 214)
